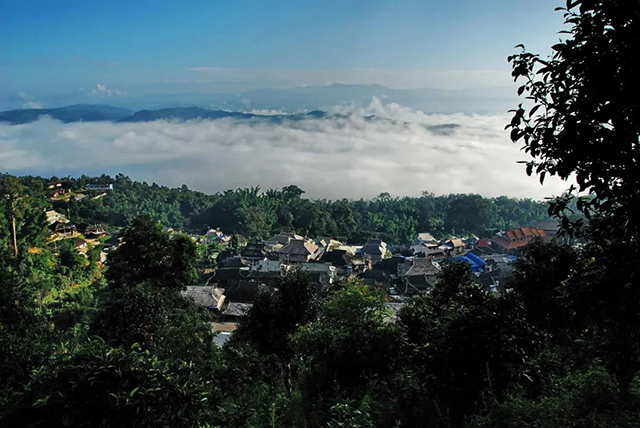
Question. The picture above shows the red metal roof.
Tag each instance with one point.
(510, 245)
(482, 243)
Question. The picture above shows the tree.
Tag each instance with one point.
(348, 350)
(584, 121)
(463, 342)
(22, 326)
(94, 384)
(542, 279)
(275, 316)
(151, 255)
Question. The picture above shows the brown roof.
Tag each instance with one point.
(523, 232)
(203, 295)
(482, 243)
(418, 266)
(284, 237)
(538, 232)
(299, 246)
(456, 242)
(509, 245)
(526, 231)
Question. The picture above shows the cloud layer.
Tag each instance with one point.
(101, 89)
(347, 155)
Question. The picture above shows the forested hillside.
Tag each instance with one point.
(254, 213)
(117, 342)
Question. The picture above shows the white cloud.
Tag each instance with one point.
(343, 156)
(101, 89)
(32, 104)
(30, 101)
(267, 112)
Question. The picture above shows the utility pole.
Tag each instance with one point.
(13, 227)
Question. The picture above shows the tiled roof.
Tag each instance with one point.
(299, 246)
(202, 295)
(482, 243)
(418, 266)
(526, 231)
(509, 245)
(523, 232)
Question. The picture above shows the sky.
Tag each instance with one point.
(120, 48)
(133, 53)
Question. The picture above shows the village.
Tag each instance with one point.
(400, 272)
(238, 270)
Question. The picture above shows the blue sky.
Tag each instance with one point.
(127, 48)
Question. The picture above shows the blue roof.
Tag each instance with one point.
(476, 264)
(475, 258)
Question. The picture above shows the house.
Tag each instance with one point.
(63, 230)
(216, 235)
(476, 264)
(482, 247)
(322, 274)
(422, 250)
(327, 243)
(377, 278)
(550, 226)
(282, 239)
(244, 291)
(54, 184)
(515, 240)
(298, 251)
(426, 239)
(59, 192)
(452, 246)
(55, 217)
(266, 272)
(255, 251)
(340, 259)
(417, 276)
(497, 271)
(80, 245)
(228, 312)
(95, 231)
(99, 187)
(227, 276)
(202, 295)
(375, 250)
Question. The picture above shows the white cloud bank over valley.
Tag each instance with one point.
(345, 155)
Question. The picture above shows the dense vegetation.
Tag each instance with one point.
(81, 346)
(128, 350)
(255, 214)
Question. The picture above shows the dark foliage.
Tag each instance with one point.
(152, 256)
(583, 120)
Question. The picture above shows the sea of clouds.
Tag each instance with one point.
(347, 154)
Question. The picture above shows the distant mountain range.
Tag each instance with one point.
(103, 113)
(291, 100)
(100, 112)
(74, 113)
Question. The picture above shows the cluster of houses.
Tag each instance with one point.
(61, 190)
(402, 272)
(60, 228)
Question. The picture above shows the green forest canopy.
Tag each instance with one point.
(254, 213)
